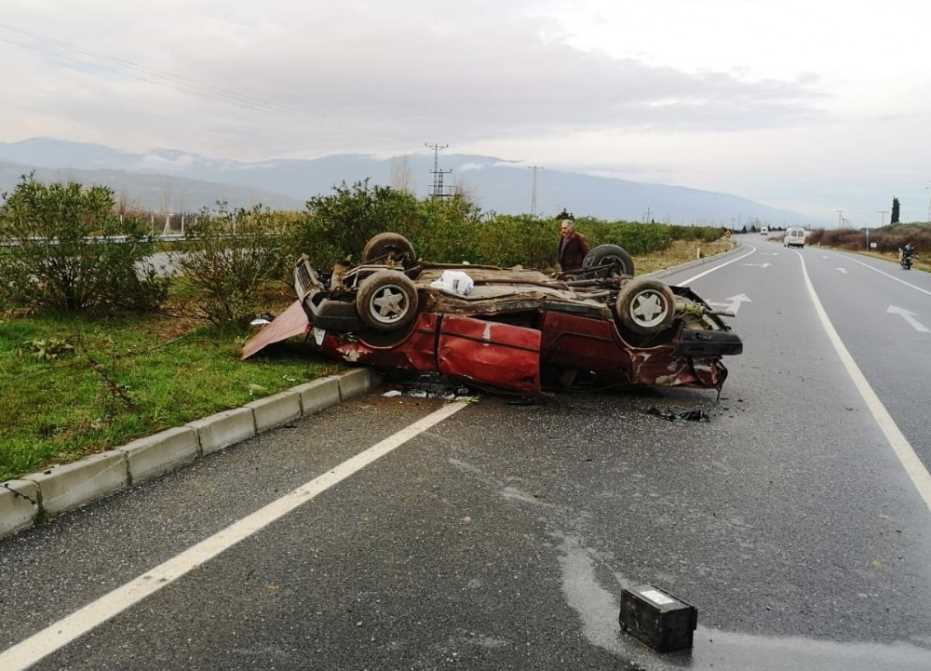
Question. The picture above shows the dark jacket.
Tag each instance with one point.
(572, 249)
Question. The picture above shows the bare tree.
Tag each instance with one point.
(166, 204)
(401, 177)
(464, 189)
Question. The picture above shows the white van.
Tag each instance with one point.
(764, 231)
(794, 237)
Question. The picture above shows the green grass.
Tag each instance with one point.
(57, 410)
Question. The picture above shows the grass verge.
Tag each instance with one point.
(70, 386)
(680, 251)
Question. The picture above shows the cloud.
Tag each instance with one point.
(268, 78)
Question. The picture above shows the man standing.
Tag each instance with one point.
(572, 245)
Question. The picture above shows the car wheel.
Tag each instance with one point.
(387, 301)
(646, 306)
(387, 247)
(617, 256)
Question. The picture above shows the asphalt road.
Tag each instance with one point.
(500, 538)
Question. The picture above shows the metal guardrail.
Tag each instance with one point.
(116, 239)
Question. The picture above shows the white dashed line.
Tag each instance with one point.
(897, 441)
(892, 277)
(717, 267)
(55, 636)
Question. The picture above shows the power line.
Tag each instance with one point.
(439, 190)
(534, 169)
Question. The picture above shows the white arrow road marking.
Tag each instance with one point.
(767, 264)
(908, 317)
(26, 653)
(897, 441)
(733, 303)
(841, 270)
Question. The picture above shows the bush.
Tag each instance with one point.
(65, 249)
(231, 256)
(887, 239)
(339, 225)
(453, 229)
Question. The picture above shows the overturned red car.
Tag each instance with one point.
(507, 328)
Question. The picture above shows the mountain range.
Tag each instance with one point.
(171, 180)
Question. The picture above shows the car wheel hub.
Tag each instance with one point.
(388, 305)
(648, 309)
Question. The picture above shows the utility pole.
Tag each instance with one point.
(840, 218)
(534, 169)
(439, 191)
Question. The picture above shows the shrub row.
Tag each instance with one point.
(452, 230)
(887, 239)
(67, 249)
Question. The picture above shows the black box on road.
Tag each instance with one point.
(660, 620)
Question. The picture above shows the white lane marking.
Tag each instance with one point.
(733, 303)
(841, 270)
(897, 441)
(36, 647)
(717, 267)
(909, 317)
(767, 264)
(892, 277)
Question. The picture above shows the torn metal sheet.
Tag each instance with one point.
(292, 322)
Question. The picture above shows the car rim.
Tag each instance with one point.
(648, 308)
(388, 304)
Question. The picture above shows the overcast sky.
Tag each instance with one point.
(808, 105)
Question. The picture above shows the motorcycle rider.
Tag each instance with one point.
(905, 255)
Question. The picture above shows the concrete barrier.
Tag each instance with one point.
(356, 382)
(72, 485)
(62, 488)
(19, 506)
(156, 455)
(276, 410)
(318, 395)
(223, 429)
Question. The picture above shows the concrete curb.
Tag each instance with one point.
(61, 488)
(666, 272)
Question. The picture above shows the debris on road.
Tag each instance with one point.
(695, 415)
(392, 394)
(662, 621)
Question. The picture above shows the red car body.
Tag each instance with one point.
(506, 356)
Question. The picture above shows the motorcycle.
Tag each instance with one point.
(905, 260)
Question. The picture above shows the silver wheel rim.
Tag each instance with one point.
(388, 305)
(648, 308)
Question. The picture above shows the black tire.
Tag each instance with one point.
(386, 301)
(389, 247)
(616, 255)
(646, 306)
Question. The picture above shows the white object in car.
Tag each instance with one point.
(454, 282)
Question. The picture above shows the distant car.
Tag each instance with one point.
(764, 231)
(513, 329)
(794, 237)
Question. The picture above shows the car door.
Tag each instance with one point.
(488, 352)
